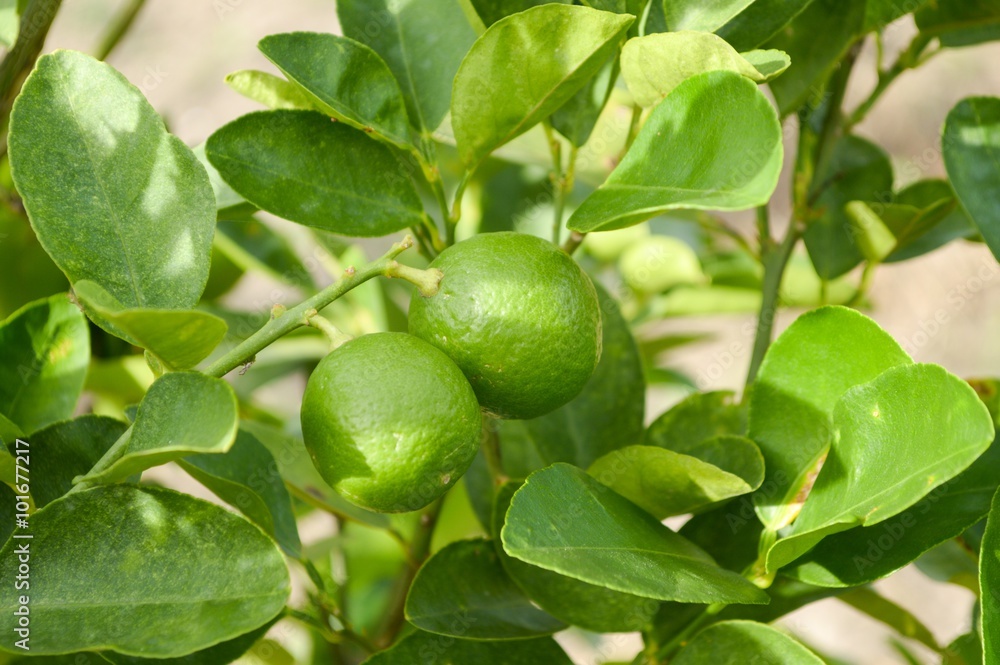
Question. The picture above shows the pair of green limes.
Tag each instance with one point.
(392, 420)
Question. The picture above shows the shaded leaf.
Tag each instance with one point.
(989, 581)
(928, 196)
(760, 21)
(960, 22)
(224, 652)
(29, 273)
(269, 90)
(695, 418)
(491, 11)
(577, 118)
(703, 15)
(737, 642)
(422, 648)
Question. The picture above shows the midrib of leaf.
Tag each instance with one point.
(596, 548)
(107, 201)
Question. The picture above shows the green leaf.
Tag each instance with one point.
(64, 450)
(703, 15)
(656, 64)
(345, 79)
(247, 478)
(408, 36)
(464, 592)
(8, 510)
(815, 361)
(269, 90)
(858, 170)
(29, 273)
(989, 581)
(197, 560)
(971, 146)
(183, 413)
(253, 245)
(589, 606)
(760, 21)
(898, 437)
(565, 521)
(870, 603)
(224, 652)
(137, 215)
(559, 48)
(44, 352)
(491, 11)
(928, 196)
(180, 338)
(300, 166)
(666, 483)
(960, 22)
(966, 649)
(738, 642)
(577, 118)
(716, 117)
(696, 418)
(422, 648)
(769, 63)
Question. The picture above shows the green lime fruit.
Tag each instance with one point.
(658, 263)
(390, 422)
(518, 316)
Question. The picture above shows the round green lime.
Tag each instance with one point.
(518, 316)
(390, 422)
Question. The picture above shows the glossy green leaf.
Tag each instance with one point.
(760, 21)
(807, 369)
(858, 170)
(226, 198)
(666, 483)
(703, 15)
(196, 561)
(464, 592)
(182, 414)
(180, 338)
(739, 642)
(559, 48)
(656, 64)
(989, 581)
(137, 215)
(869, 602)
(422, 41)
(971, 146)
(960, 22)
(589, 606)
(931, 197)
(300, 166)
(224, 652)
(696, 418)
(565, 521)
(269, 90)
(44, 352)
(67, 449)
(246, 477)
(717, 118)
(422, 648)
(345, 79)
(899, 437)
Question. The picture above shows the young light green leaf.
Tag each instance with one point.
(971, 146)
(769, 63)
(137, 215)
(666, 483)
(716, 118)
(760, 21)
(269, 90)
(300, 166)
(560, 47)
(989, 583)
(895, 226)
(67, 449)
(899, 437)
(422, 648)
(702, 15)
(960, 22)
(44, 353)
(345, 79)
(739, 642)
(409, 37)
(463, 591)
(815, 361)
(183, 413)
(696, 418)
(180, 338)
(198, 560)
(247, 478)
(565, 521)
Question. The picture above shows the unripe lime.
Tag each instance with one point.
(518, 316)
(657, 263)
(390, 422)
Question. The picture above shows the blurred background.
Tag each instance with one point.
(179, 54)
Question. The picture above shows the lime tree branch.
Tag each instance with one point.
(299, 316)
(913, 56)
(118, 27)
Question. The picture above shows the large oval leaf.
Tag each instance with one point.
(463, 591)
(989, 580)
(716, 119)
(142, 571)
(422, 648)
(558, 48)
(44, 353)
(136, 214)
(300, 166)
(565, 521)
(739, 642)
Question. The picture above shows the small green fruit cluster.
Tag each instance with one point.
(392, 420)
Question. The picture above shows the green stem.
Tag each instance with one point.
(456, 206)
(117, 28)
(492, 451)
(866, 282)
(426, 281)
(913, 56)
(573, 242)
(296, 316)
(336, 336)
(681, 639)
(558, 189)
